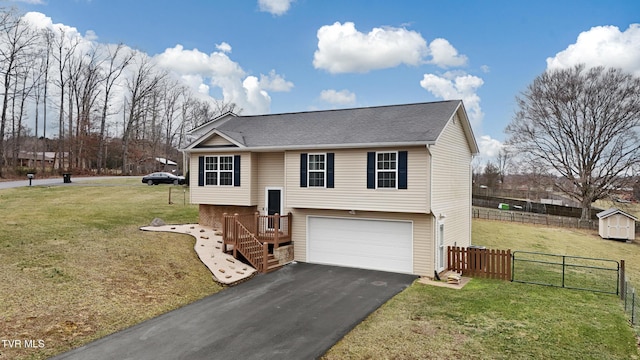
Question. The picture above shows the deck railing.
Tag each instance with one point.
(251, 235)
(274, 229)
(253, 250)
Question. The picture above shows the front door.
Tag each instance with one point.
(273, 199)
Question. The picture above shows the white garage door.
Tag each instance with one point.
(367, 244)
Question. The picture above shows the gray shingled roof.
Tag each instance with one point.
(411, 123)
(611, 211)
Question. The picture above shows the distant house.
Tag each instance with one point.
(616, 224)
(385, 188)
(155, 164)
(35, 160)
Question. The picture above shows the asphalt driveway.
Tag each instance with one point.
(297, 312)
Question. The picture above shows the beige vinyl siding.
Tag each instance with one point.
(422, 230)
(223, 195)
(216, 140)
(350, 184)
(451, 188)
(270, 173)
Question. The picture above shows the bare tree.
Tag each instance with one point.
(16, 41)
(172, 95)
(491, 175)
(583, 123)
(503, 163)
(84, 83)
(142, 84)
(63, 52)
(118, 60)
(47, 37)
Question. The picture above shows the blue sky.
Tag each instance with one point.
(273, 56)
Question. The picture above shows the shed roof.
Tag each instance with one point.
(612, 211)
(420, 123)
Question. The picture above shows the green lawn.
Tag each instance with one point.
(75, 267)
(491, 319)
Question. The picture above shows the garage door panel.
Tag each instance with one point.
(371, 244)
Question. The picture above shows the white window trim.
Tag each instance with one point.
(218, 171)
(323, 171)
(395, 171)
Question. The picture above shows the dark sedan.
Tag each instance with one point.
(162, 178)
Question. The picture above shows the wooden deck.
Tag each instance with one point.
(255, 236)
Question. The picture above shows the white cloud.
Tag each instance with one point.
(32, 2)
(275, 82)
(342, 48)
(224, 47)
(275, 7)
(489, 147)
(342, 97)
(41, 21)
(445, 55)
(485, 69)
(203, 70)
(454, 86)
(258, 100)
(603, 46)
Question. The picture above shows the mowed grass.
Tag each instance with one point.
(74, 265)
(492, 319)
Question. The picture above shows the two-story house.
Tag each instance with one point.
(385, 187)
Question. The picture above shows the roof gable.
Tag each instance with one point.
(612, 211)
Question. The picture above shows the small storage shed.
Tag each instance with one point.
(617, 224)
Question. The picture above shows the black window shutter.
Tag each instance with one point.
(371, 170)
(402, 169)
(236, 170)
(303, 170)
(201, 171)
(330, 158)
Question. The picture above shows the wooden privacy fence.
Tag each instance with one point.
(480, 262)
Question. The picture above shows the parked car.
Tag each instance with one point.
(162, 178)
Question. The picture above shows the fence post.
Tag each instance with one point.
(563, 268)
(276, 230)
(621, 277)
(509, 266)
(633, 307)
(265, 256)
(257, 222)
(225, 228)
(235, 235)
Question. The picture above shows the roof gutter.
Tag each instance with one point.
(310, 147)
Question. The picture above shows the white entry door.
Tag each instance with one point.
(368, 244)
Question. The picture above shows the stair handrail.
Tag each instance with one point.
(249, 246)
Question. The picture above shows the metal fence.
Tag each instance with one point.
(570, 272)
(533, 218)
(629, 297)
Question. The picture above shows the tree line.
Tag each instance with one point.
(95, 106)
(576, 130)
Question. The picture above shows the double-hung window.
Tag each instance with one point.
(387, 169)
(316, 170)
(218, 170)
